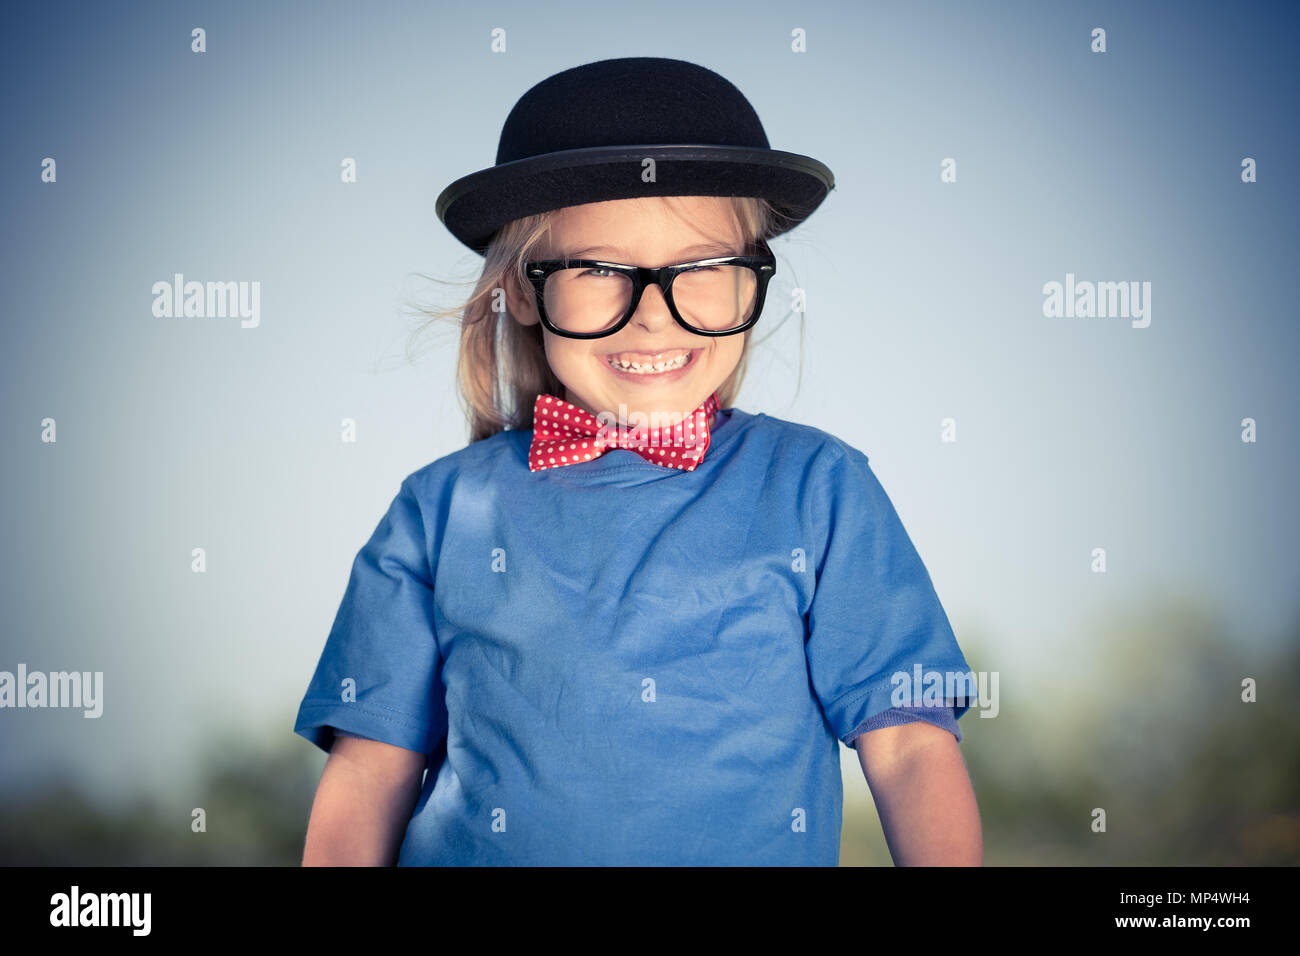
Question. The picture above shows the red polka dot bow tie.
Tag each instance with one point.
(564, 434)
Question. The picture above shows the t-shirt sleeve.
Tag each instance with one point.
(939, 716)
(878, 638)
(380, 674)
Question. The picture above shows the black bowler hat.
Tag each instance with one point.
(582, 136)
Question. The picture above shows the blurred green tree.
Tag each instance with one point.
(1148, 724)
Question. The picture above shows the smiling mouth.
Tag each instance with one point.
(651, 363)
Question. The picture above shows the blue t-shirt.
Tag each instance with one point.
(618, 663)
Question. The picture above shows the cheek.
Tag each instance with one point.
(726, 352)
(558, 353)
(567, 360)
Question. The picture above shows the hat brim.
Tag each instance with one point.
(474, 207)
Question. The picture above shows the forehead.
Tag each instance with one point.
(648, 228)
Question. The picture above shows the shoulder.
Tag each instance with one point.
(481, 462)
(825, 474)
(806, 444)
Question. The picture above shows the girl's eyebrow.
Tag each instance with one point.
(717, 248)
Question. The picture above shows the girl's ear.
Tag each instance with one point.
(521, 303)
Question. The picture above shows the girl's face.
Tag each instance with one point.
(643, 232)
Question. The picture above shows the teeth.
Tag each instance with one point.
(646, 368)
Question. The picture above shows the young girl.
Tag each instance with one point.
(630, 623)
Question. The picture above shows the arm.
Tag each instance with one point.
(923, 794)
(363, 803)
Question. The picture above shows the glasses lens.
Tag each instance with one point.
(711, 298)
(587, 299)
(716, 298)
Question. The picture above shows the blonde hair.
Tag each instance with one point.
(501, 367)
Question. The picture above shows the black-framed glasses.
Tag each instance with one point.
(590, 298)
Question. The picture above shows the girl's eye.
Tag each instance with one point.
(607, 273)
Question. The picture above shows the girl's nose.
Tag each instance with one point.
(652, 311)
